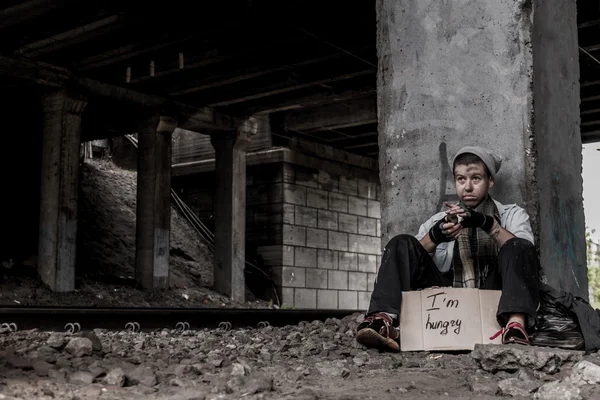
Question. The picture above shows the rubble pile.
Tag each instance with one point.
(311, 360)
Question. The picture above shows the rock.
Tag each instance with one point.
(57, 375)
(218, 362)
(47, 353)
(361, 359)
(335, 369)
(16, 361)
(235, 384)
(41, 368)
(96, 343)
(81, 378)
(80, 347)
(493, 357)
(238, 369)
(490, 388)
(257, 384)
(558, 390)
(521, 385)
(142, 375)
(63, 363)
(115, 377)
(294, 376)
(585, 372)
(176, 382)
(56, 341)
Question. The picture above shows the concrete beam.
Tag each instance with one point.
(34, 72)
(230, 214)
(59, 189)
(351, 113)
(320, 99)
(153, 214)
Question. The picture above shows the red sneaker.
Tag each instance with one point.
(378, 331)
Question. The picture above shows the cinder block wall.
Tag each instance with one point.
(331, 238)
(317, 230)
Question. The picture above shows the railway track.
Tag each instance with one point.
(75, 319)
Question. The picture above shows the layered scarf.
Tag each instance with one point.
(475, 252)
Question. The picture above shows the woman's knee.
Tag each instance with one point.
(400, 239)
(519, 244)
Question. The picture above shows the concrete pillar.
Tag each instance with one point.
(230, 213)
(59, 189)
(453, 73)
(153, 218)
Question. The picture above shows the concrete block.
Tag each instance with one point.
(374, 208)
(288, 173)
(338, 241)
(293, 277)
(287, 255)
(328, 182)
(367, 226)
(371, 281)
(305, 257)
(305, 216)
(305, 298)
(357, 206)
(378, 231)
(366, 189)
(316, 238)
(347, 300)
(327, 220)
(316, 278)
(287, 297)
(288, 214)
(327, 259)
(294, 235)
(316, 198)
(348, 223)
(337, 279)
(338, 202)
(367, 263)
(348, 186)
(348, 261)
(327, 299)
(265, 174)
(307, 176)
(364, 299)
(357, 280)
(294, 194)
(364, 244)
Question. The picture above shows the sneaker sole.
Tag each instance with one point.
(370, 338)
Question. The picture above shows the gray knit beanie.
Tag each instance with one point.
(492, 160)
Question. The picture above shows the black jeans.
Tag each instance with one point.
(406, 265)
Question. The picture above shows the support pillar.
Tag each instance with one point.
(153, 214)
(458, 73)
(59, 189)
(230, 213)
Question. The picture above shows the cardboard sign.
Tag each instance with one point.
(448, 319)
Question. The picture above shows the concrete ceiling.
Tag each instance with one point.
(311, 65)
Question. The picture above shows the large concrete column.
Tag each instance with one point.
(230, 213)
(153, 219)
(59, 189)
(453, 73)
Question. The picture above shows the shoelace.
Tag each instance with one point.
(507, 327)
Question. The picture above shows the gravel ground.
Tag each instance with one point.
(311, 360)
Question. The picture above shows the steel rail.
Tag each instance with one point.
(146, 319)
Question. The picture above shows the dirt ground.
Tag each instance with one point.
(310, 361)
(106, 254)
